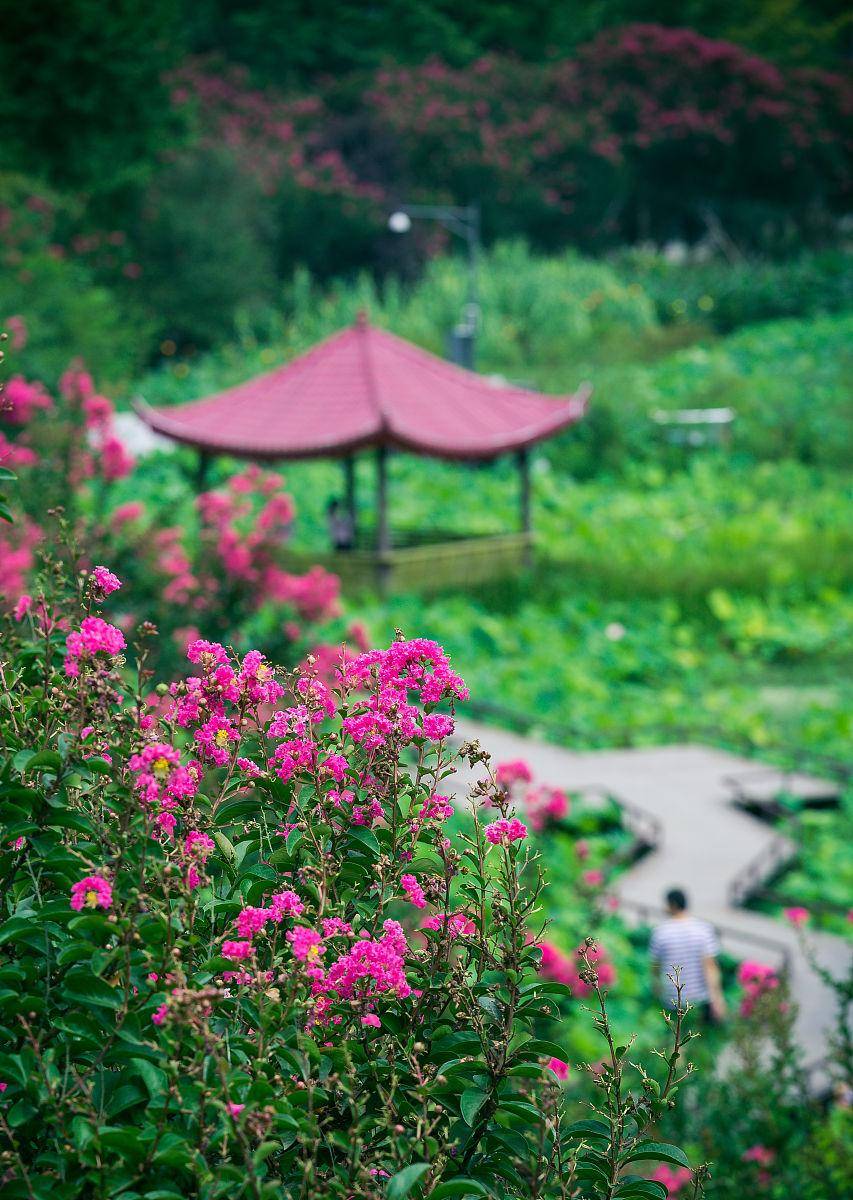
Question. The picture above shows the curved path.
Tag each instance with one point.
(705, 844)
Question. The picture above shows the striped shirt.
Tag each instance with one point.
(684, 942)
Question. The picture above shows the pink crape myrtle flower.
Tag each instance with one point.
(371, 1019)
(215, 737)
(673, 1180)
(437, 808)
(757, 979)
(457, 924)
(414, 891)
(104, 582)
(95, 636)
(335, 927)
(307, 944)
(234, 1110)
(369, 967)
(762, 1155)
(22, 606)
(517, 771)
(436, 726)
(544, 805)
(236, 951)
(505, 831)
(93, 891)
(797, 916)
(593, 878)
(199, 845)
(160, 1014)
(115, 460)
(257, 680)
(560, 1068)
(251, 921)
(21, 399)
(284, 904)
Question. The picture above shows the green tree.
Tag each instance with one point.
(83, 101)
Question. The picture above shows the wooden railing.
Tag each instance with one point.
(766, 865)
(426, 567)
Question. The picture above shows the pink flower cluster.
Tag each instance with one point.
(96, 636)
(253, 920)
(544, 806)
(197, 849)
(208, 701)
(104, 582)
(559, 1067)
(797, 916)
(674, 1180)
(506, 830)
(762, 1155)
(414, 891)
(418, 666)
(21, 400)
(563, 968)
(91, 892)
(456, 924)
(509, 773)
(757, 980)
(163, 783)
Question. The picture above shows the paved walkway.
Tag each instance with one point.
(706, 842)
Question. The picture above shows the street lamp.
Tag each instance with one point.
(465, 223)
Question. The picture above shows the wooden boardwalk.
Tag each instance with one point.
(705, 843)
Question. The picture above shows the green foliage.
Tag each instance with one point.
(294, 42)
(205, 235)
(83, 100)
(724, 295)
(821, 877)
(66, 311)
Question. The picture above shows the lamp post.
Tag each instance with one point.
(465, 223)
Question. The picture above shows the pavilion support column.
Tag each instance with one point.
(525, 504)
(201, 470)
(383, 537)
(350, 493)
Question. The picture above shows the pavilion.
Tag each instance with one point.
(364, 388)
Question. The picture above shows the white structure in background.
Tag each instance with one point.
(139, 440)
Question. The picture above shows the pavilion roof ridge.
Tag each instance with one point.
(363, 329)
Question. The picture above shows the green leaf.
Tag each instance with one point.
(459, 1187)
(402, 1183)
(226, 846)
(45, 760)
(472, 1101)
(91, 989)
(587, 1129)
(366, 837)
(660, 1152)
(154, 1079)
(642, 1189)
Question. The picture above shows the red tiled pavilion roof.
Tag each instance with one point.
(365, 387)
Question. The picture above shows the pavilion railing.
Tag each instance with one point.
(429, 567)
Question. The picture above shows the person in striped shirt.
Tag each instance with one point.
(684, 941)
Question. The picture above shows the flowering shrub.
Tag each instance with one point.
(642, 131)
(223, 566)
(214, 972)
